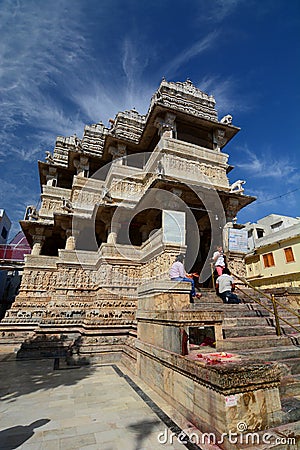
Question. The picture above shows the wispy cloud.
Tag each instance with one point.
(171, 67)
(229, 98)
(218, 10)
(266, 166)
(40, 43)
(101, 97)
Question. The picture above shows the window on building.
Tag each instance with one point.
(268, 260)
(250, 233)
(4, 233)
(260, 232)
(289, 255)
(276, 226)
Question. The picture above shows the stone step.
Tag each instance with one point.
(247, 321)
(241, 306)
(290, 386)
(231, 332)
(231, 310)
(291, 409)
(293, 364)
(252, 342)
(280, 353)
(286, 329)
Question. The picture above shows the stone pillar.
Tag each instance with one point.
(82, 166)
(113, 234)
(71, 240)
(219, 139)
(51, 177)
(37, 244)
(118, 153)
(231, 208)
(167, 126)
(235, 260)
(146, 229)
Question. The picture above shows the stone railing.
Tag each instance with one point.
(189, 163)
(171, 158)
(52, 200)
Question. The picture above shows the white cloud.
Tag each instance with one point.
(266, 166)
(100, 100)
(171, 67)
(224, 90)
(218, 10)
(40, 43)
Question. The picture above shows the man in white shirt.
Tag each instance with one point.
(225, 286)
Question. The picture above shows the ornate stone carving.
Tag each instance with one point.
(31, 213)
(167, 126)
(82, 166)
(128, 125)
(219, 138)
(93, 139)
(237, 186)
(118, 153)
(51, 176)
(227, 120)
(185, 97)
(49, 157)
(67, 205)
(191, 169)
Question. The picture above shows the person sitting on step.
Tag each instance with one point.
(177, 273)
(225, 287)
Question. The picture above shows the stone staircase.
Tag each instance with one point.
(249, 330)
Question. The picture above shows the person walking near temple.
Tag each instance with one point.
(219, 260)
(177, 273)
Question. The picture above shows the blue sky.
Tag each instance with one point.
(67, 63)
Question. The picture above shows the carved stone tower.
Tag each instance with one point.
(103, 228)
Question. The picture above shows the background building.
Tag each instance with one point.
(5, 225)
(274, 260)
(12, 258)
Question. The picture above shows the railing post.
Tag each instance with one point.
(212, 275)
(278, 329)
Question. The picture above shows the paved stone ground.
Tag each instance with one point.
(91, 407)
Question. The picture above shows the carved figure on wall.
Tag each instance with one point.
(77, 142)
(67, 205)
(31, 213)
(160, 169)
(227, 120)
(236, 187)
(49, 157)
(105, 195)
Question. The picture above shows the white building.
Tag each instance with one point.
(267, 226)
(274, 256)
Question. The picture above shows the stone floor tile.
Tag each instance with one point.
(76, 442)
(58, 433)
(91, 408)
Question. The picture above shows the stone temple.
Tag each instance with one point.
(117, 206)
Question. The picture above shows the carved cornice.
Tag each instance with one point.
(185, 97)
(128, 125)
